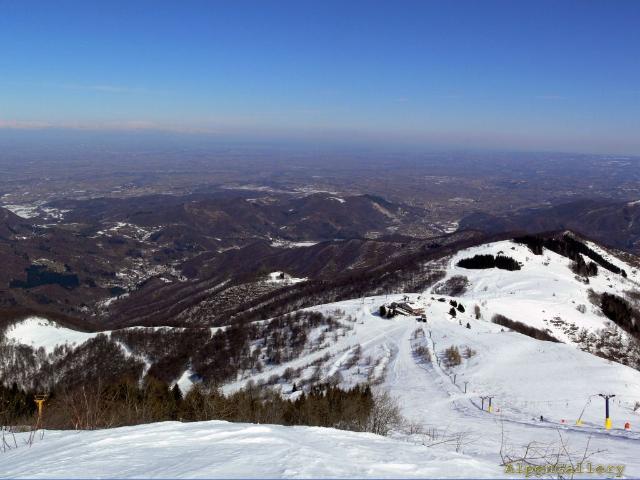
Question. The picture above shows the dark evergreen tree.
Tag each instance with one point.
(489, 261)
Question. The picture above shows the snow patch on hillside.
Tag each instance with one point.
(283, 278)
(40, 332)
(37, 209)
(23, 211)
(279, 243)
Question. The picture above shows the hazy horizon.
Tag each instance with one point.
(496, 75)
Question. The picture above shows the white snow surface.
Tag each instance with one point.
(36, 210)
(279, 243)
(226, 450)
(544, 290)
(40, 332)
(526, 379)
(23, 211)
(283, 278)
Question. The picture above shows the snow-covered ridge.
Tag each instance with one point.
(544, 293)
(40, 332)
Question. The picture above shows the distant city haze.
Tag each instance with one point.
(558, 76)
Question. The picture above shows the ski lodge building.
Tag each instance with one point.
(406, 308)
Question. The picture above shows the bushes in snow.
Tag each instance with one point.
(610, 343)
(354, 358)
(418, 346)
(452, 356)
(229, 352)
(633, 295)
(584, 269)
(621, 312)
(422, 353)
(168, 349)
(523, 328)
(468, 352)
(593, 297)
(214, 358)
(384, 415)
(453, 287)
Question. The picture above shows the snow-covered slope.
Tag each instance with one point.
(525, 378)
(545, 293)
(227, 450)
(40, 332)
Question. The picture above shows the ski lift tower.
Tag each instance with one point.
(607, 418)
(40, 399)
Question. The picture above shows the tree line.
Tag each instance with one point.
(167, 352)
(622, 313)
(123, 403)
(569, 247)
(524, 329)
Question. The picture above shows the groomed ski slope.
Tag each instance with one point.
(526, 377)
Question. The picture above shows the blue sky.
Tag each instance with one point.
(538, 75)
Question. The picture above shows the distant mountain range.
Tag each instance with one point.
(612, 223)
(118, 261)
(202, 258)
